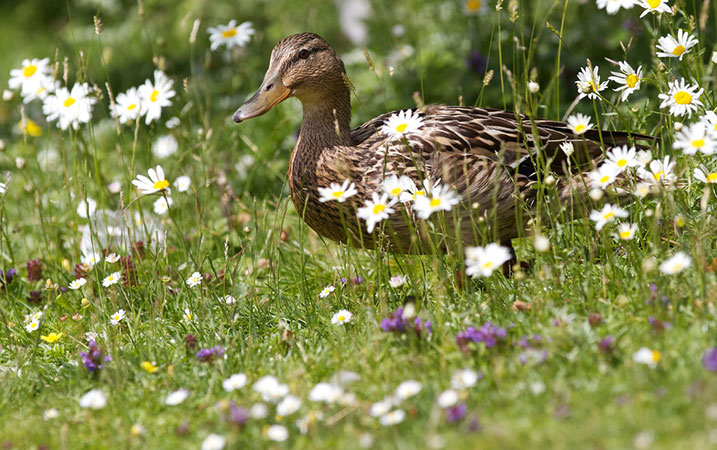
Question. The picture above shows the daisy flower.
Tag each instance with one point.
(111, 279)
(579, 123)
(127, 106)
(626, 231)
(393, 418)
(376, 210)
(155, 183)
(627, 78)
(682, 99)
(704, 175)
(325, 292)
(654, 6)
(325, 392)
(86, 208)
(474, 7)
(695, 138)
(341, 317)
(31, 76)
(214, 442)
(194, 279)
(277, 433)
(32, 326)
(567, 147)
(642, 189)
(414, 191)
(155, 96)
(647, 356)
(112, 258)
(397, 281)
(230, 35)
(710, 120)
(659, 172)
(608, 213)
(69, 108)
(622, 157)
(408, 389)
(675, 48)
(46, 86)
(464, 378)
(589, 83)
(395, 186)
(117, 317)
(270, 389)
(182, 183)
(447, 398)
(604, 176)
(176, 397)
(484, 260)
(78, 283)
(643, 157)
(188, 316)
(676, 264)
(442, 198)
(234, 382)
(162, 204)
(613, 6)
(94, 399)
(288, 406)
(402, 124)
(165, 146)
(337, 192)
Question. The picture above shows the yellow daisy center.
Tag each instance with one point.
(488, 265)
(419, 193)
(656, 356)
(69, 102)
(401, 128)
(161, 184)
(229, 33)
(698, 143)
(579, 128)
(131, 107)
(682, 98)
(604, 179)
(341, 318)
(609, 215)
(659, 175)
(625, 234)
(631, 80)
(473, 5)
(396, 191)
(377, 209)
(679, 50)
(335, 194)
(29, 70)
(153, 97)
(622, 162)
(712, 178)
(435, 202)
(592, 85)
(654, 3)
(116, 317)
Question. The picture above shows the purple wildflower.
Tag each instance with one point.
(238, 415)
(594, 320)
(34, 297)
(605, 345)
(7, 277)
(191, 341)
(94, 359)
(488, 334)
(395, 323)
(210, 354)
(456, 413)
(709, 360)
(34, 270)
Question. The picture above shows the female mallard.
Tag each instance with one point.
(488, 156)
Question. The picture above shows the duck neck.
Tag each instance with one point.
(327, 118)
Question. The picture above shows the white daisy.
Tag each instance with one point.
(704, 175)
(642, 189)
(643, 157)
(230, 35)
(710, 121)
(32, 326)
(270, 389)
(408, 389)
(155, 183)
(31, 76)
(325, 392)
(176, 397)
(76, 284)
(484, 260)
(194, 280)
(325, 292)
(402, 124)
(608, 213)
(94, 399)
(188, 316)
(682, 99)
(414, 191)
(395, 186)
(127, 106)
(613, 6)
(441, 198)
(627, 78)
(214, 442)
(234, 382)
(647, 356)
(46, 86)
(69, 108)
(675, 48)
(172, 122)
(567, 147)
(155, 96)
(474, 7)
(588, 83)
(659, 172)
(117, 317)
(392, 418)
(162, 204)
(376, 210)
(341, 317)
(622, 157)
(676, 264)
(337, 192)
(277, 433)
(112, 258)
(111, 279)
(696, 138)
(182, 183)
(463, 379)
(447, 398)
(604, 176)
(165, 146)
(288, 406)
(86, 208)
(626, 231)
(579, 123)
(397, 281)
(654, 6)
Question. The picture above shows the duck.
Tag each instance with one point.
(491, 158)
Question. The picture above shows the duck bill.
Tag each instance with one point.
(271, 93)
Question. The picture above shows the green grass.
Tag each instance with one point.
(239, 226)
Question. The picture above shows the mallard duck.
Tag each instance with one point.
(488, 156)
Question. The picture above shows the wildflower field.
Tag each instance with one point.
(159, 289)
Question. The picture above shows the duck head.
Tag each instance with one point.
(303, 66)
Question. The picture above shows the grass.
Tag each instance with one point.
(238, 227)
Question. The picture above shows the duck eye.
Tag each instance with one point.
(303, 53)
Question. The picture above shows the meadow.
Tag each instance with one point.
(158, 288)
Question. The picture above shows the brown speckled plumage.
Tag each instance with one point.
(488, 156)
